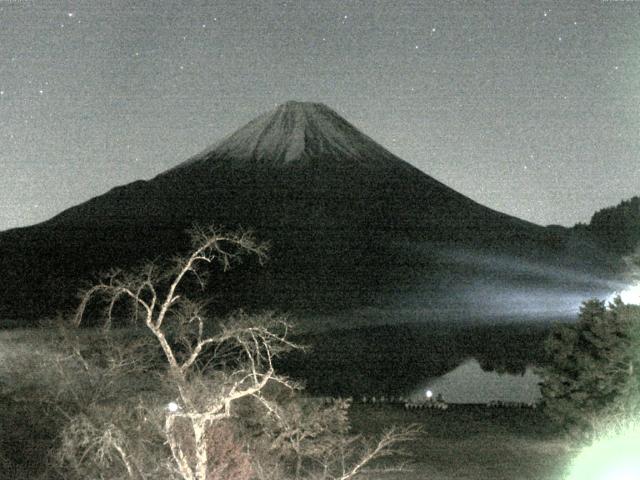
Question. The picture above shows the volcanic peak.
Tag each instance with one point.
(297, 133)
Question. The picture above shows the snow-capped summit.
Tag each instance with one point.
(297, 133)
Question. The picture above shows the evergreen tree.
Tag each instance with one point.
(592, 372)
(618, 228)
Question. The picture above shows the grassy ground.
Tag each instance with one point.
(462, 443)
(27, 435)
(469, 442)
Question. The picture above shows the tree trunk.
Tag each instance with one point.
(202, 460)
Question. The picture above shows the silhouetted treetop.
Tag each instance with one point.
(618, 228)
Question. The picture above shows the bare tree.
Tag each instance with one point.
(356, 453)
(212, 370)
(248, 343)
(319, 436)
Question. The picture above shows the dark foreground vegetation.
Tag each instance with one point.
(466, 442)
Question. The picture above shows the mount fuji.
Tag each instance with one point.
(351, 225)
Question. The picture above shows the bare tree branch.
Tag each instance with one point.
(258, 341)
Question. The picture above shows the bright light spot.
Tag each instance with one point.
(624, 472)
(173, 407)
(429, 393)
(614, 458)
(630, 295)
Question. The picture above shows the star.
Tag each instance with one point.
(71, 14)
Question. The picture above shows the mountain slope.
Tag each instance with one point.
(350, 223)
(301, 160)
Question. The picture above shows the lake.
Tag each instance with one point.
(469, 383)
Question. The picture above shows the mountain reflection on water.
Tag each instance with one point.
(396, 360)
(469, 383)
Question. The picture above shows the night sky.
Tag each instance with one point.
(530, 108)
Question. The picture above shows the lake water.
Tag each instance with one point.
(390, 361)
(468, 383)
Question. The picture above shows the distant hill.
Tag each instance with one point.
(617, 228)
(351, 226)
